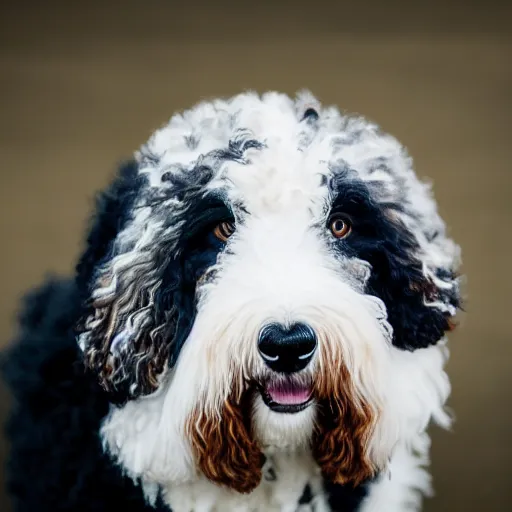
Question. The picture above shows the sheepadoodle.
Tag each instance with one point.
(257, 323)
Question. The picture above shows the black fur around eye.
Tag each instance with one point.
(224, 230)
(204, 218)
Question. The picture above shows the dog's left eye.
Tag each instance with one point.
(224, 230)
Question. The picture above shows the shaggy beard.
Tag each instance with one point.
(228, 453)
(228, 448)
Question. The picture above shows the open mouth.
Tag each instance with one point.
(286, 396)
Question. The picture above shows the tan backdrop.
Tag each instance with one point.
(83, 85)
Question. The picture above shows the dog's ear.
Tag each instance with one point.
(129, 286)
(423, 311)
(421, 298)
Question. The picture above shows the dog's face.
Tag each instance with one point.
(261, 274)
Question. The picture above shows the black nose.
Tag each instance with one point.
(287, 349)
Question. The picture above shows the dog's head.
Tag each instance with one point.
(260, 278)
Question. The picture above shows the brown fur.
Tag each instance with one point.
(343, 428)
(227, 454)
(225, 450)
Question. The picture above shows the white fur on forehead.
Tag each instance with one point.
(292, 145)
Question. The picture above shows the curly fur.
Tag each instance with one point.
(225, 450)
(343, 432)
(56, 460)
(137, 384)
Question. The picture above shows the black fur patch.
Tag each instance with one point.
(307, 495)
(178, 263)
(397, 277)
(56, 463)
(345, 498)
(198, 251)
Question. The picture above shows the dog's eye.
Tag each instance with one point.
(224, 230)
(340, 227)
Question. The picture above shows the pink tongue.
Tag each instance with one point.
(289, 395)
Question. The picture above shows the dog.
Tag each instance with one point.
(257, 322)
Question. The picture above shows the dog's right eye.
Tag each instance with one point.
(224, 230)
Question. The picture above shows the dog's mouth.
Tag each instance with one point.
(286, 396)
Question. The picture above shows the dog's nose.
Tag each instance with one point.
(287, 349)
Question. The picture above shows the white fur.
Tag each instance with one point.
(279, 268)
(292, 471)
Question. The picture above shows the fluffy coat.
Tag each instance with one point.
(138, 383)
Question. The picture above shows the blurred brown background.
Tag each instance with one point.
(84, 84)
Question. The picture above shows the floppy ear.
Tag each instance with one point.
(129, 287)
(427, 309)
(421, 299)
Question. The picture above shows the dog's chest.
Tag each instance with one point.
(290, 483)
